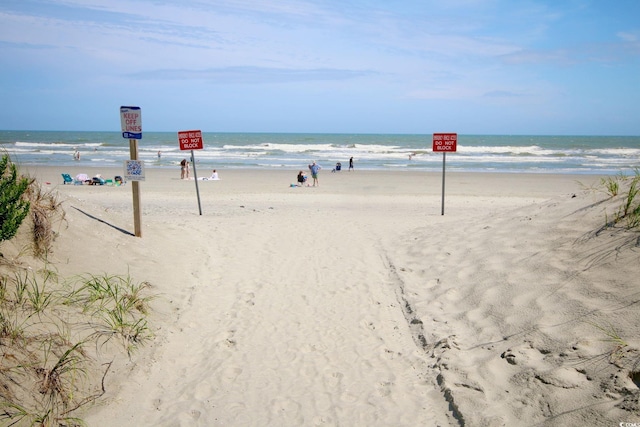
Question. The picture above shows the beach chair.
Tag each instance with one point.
(68, 180)
(97, 181)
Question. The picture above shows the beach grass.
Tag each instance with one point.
(41, 345)
(47, 323)
(626, 190)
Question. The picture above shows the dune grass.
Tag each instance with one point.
(117, 307)
(54, 331)
(46, 327)
(626, 190)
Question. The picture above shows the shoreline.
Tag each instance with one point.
(454, 181)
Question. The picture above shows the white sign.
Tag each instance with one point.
(134, 170)
(131, 122)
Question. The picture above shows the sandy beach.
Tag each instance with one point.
(356, 303)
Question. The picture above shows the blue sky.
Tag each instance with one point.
(356, 66)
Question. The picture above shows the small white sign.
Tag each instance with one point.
(131, 122)
(134, 170)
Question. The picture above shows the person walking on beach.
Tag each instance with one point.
(351, 164)
(315, 168)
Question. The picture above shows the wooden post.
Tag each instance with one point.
(135, 188)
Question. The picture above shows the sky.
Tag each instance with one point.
(532, 67)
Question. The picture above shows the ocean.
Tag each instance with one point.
(602, 155)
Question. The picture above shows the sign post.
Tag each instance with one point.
(443, 142)
(192, 140)
(131, 123)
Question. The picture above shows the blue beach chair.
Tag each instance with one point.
(68, 180)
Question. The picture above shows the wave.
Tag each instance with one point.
(57, 144)
(374, 152)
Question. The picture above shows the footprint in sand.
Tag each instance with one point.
(231, 373)
(284, 408)
(249, 297)
(384, 388)
(322, 421)
(334, 379)
(452, 295)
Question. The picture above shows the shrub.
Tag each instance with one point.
(13, 206)
(45, 209)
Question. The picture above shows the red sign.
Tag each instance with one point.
(445, 142)
(190, 140)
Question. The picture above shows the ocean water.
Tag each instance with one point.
(609, 155)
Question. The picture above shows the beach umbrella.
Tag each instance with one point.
(82, 177)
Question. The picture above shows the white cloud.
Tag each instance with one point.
(629, 36)
(493, 51)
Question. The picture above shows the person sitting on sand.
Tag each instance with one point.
(214, 175)
(302, 178)
(97, 180)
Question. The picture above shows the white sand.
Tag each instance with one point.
(357, 303)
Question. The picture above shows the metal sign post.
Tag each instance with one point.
(443, 142)
(131, 123)
(444, 160)
(195, 177)
(192, 140)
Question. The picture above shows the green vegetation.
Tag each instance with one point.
(612, 185)
(613, 337)
(622, 354)
(46, 328)
(627, 189)
(116, 305)
(14, 207)
(54, 331)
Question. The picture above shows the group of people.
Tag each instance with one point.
(301, 179)
(315, 168)
(185, 172)
(184, 169)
